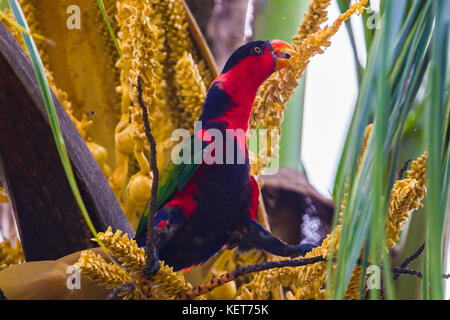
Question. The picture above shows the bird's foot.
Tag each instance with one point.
(303, 248)
(133, 289)
(126, 289)
(151, 265)
(151, 269)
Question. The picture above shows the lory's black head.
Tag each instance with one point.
(265, 55)
(246, 69)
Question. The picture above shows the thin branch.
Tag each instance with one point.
(403, 169)
(410, 259)
(399, 271)
(243, 270)
(413, 272)
(150, 241)
(128, 287)
(218, 281)
(413, 257)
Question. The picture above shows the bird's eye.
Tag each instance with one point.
(257, 50)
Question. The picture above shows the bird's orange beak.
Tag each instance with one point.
(282, 58)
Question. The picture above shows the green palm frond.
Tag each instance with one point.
(398, 64)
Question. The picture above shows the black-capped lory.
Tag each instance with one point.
(204, 205)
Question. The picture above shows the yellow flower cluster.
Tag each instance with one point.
(170, 16)
(367, 133)
(307, 281)
(11, 28)
(264, 282)
(10, 254)
(277, 90)
(166, 284)
(418, 171)
(178, 38)
(97, 269)
(229, 260)
(156, 45)
(169, 282)
(354, 285)
(191, 89)
(316, 15)
(129, 254)
(138, 40)
(405, 197)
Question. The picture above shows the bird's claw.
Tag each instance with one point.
(303, 249)
(152, 269)
(124, 288)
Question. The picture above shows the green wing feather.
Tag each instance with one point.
(173, 179)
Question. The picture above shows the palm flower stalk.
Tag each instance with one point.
(10, 254)
(191, 90)
(166, 284)
(277, 90)
(165, 91)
